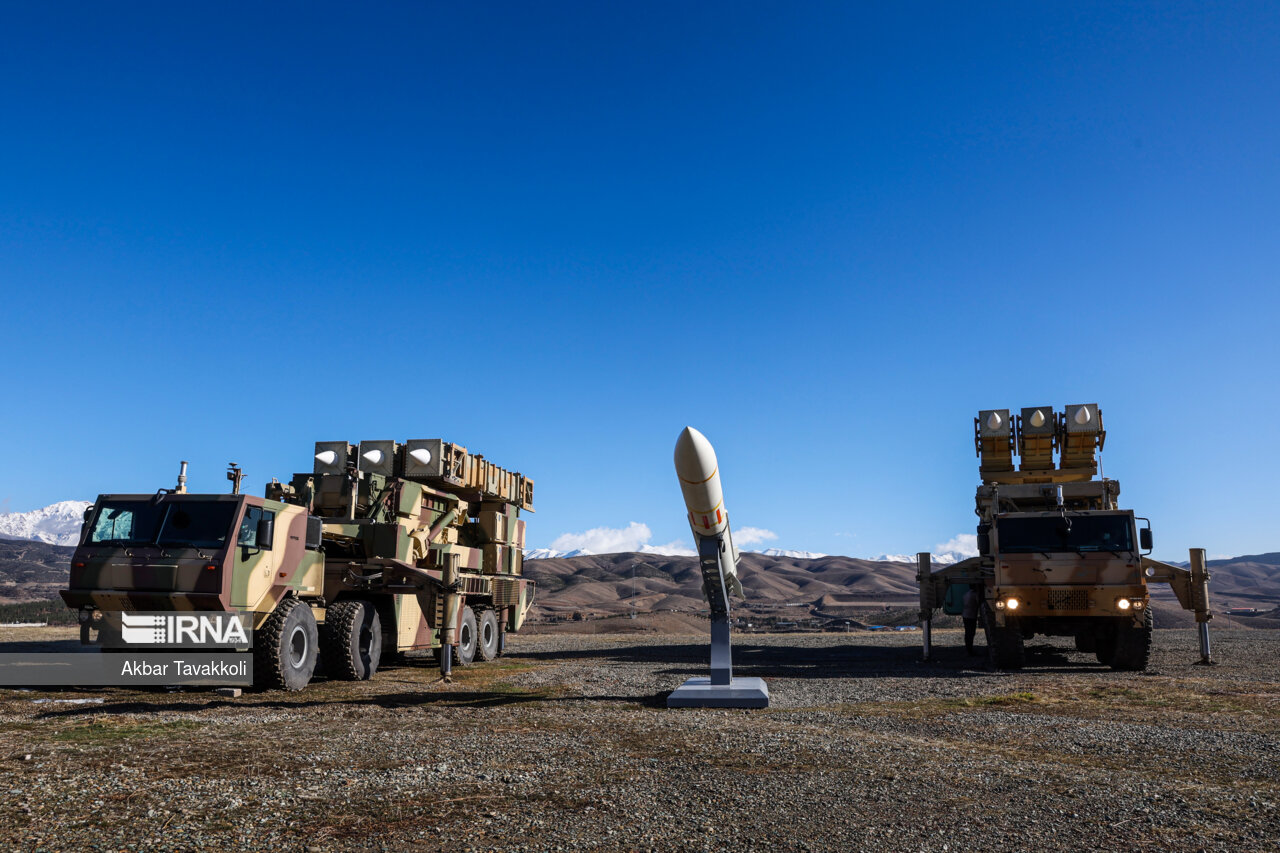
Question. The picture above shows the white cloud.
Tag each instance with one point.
(752, 536)
(671, 549)
(605, 540)
(963, 545)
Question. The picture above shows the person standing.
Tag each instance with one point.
(972, 600)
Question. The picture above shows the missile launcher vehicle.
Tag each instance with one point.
(1057, 556)
(382, 549)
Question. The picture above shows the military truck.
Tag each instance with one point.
(1057, 556)
(382, 549)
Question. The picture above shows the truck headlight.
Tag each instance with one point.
(1012, 603)
(1138, 604)
(1122, 603)
(1000, 604)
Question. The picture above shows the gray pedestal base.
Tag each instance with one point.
(699, 692)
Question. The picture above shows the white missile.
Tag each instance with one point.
(699, 474)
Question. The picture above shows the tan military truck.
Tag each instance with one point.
(1057, 555)
(384, 548)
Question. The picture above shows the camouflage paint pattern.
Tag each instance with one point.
(390, 523)
(1057, 591)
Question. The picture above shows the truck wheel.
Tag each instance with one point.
(464, 651)
(488, 635)
(1133, 645)
(1104, 644)
(352, 640)
(284, 648)
(1004, 645)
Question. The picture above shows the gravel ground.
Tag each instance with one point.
(565, 744)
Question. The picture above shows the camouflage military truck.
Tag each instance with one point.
(1057, 555)
(383, 548)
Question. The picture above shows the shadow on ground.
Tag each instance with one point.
(846, 660)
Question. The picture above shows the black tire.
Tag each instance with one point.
(285, 647)
(487, 635)
(464, 651)
(1104, 644)
(1133, 645)
(352, 641)
(1004, 644)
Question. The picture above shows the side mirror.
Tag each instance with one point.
(88, 512)
(1144, 538)
(266, 530)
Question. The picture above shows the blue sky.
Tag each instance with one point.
(824, 234)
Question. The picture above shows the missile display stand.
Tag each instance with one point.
(721, 690)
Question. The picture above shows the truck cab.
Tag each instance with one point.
(170, 551)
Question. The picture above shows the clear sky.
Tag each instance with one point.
(825, 234)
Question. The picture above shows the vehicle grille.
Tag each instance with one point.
(506, 593)
(1068, 599)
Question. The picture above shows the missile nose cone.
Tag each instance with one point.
(694, 457)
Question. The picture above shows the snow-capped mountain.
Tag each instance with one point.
(56, 524)
(935, 559)
(552, 554)
(783, 552)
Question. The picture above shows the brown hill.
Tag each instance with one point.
(31, 571)
(602, 584)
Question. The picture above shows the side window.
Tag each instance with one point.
(249, 527)
(113, 524)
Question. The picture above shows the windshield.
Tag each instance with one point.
(191, 524)
(1078, 533)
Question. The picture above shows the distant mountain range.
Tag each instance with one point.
(56, 524)
(603, 584)
(551, 554)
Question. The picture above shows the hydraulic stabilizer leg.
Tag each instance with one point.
(1200, 601)
(452, 610)
(923, 571)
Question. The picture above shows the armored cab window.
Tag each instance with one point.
(1075, 533)
(195, 524)
(126, 523)
(113, 524)
(253, 517)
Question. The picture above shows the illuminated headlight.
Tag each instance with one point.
(1122, 603)
(1000, 605)
(1138, 604)
(1012, 603)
